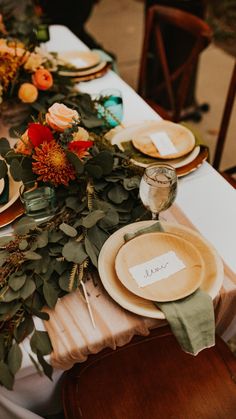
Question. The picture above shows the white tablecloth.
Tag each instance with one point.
(204, 196)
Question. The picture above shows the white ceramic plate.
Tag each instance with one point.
(14, 193)
(212, 281)
(2, 184)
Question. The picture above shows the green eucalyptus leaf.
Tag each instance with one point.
(25, 225)
(28, 289)
(72, 202)
(23, 244)
(104, 160)
(9, 296)
(118, 194)
(50, 293)
(97, 236)
(3, 169)
(68, 230)
(131, 183)
(42, 239)
(4, 240)
(74, 252)
(47, 368)
(6, 377)
(92, 218)
(16, 282)
(4, 146)
(40, 341)
(91, 251)
(55, 236)
(40, 314)
(24, 329)
(94, 170)
(110, 220)
(3, 257)
(16, 170)
(14, 358)
(76, 162)
(30, 255)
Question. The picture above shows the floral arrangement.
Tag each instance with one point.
(97, 192)
(30, 79)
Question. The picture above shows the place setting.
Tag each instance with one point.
(158, 269)
(10, 205)
(163, 141)
(83, 65)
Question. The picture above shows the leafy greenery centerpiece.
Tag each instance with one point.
(97, 193)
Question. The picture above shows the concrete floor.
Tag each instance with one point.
(118, 26)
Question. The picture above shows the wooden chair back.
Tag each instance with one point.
(174, 81)
(152, 377)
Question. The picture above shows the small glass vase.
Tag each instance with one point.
(39, 201)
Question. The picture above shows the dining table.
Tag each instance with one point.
(205, 203)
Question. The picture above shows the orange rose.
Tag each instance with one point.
(42, 79)
(27, 93)
(60, 117)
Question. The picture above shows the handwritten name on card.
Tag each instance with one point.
(156, 269)
(163, 143)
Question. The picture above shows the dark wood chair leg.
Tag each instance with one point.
(225, 119)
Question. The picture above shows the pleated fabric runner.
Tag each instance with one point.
(71, 330)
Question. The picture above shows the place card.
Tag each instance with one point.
(78, 62)
(163, 143)
(156, 269)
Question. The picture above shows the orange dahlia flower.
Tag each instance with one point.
(51, 164)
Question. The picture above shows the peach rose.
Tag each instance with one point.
(42, 79)
(27, 93)
(60, 117)
(81, 135)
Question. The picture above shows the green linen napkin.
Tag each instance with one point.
(4, 197)
(191, 319)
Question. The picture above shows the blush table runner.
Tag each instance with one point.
(74, 337)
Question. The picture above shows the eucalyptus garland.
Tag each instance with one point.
(44, 261)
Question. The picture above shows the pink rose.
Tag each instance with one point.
(60, 117)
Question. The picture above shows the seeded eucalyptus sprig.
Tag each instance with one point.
(44, 261)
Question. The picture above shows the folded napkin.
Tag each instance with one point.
(4, 197)
(191, 319)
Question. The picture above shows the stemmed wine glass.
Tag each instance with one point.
(158, 188)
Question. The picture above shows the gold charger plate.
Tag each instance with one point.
(14, 193)
(82, 60)
(149, 246)
(213, 266)
(181, 137)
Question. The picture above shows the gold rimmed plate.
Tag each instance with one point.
(138, 252)
(213, 267)
(181, 137)
(183, 165)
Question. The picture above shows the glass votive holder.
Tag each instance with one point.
(39, 201)
(111, 106)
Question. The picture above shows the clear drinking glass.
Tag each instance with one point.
(111, 108)
(158, 188)
(39, 201)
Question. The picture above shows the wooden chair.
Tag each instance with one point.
(224, 128)
(152, 378)
(164, 79)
